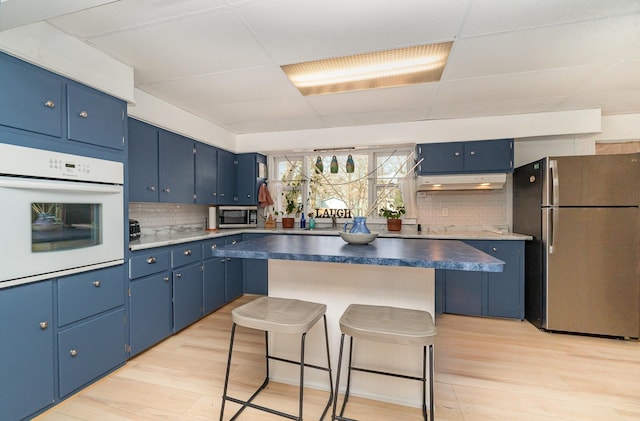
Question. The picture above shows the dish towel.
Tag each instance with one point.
(264, 197)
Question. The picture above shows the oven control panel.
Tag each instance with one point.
(30, 162)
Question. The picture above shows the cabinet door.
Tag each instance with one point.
(463, 292)
(505, 290)
(206, 174)
(234, 273)
(214, 283)
(441, 158)
(256, 271)
(247, 184)
(150, 311)
(95, 118)
(89, 350)
(143, 162)
(187, 295)
(176, 168)
(30, 98)
(226, 177)
(489, 156)
(26, 366)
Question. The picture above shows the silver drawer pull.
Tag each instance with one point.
(49, 104)
(151, 260)
(214, 246)
(166, 279)
(178, 275)
(234, 241)
(456, 154)
(73, 352)
(96, 284)
(84, 114)
(44, 325)
(167, 190)
(494, 249)
(187, 252)
(472, 153)
(152, 188)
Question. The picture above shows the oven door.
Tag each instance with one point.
(54, 228)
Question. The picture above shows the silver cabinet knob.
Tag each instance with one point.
(456, 154)
(151, 260)
(249, 196)
(166, 190)
(213, 194)
(228, 259)
(49, 104)
(494, 249)
(222, 194)
(152, 188)
(84, 114)
(187, 252)
(44, 325)
(73, 352)
(97, 284)
(472, 153)
(214, 246)
(178, 275)
(166, 279)
(234, 241)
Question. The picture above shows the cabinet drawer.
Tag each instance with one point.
(89, 350)
(143, 264)
(31, 98)
(95, 118)
(89, 293)
(209, 245)
(185, 254)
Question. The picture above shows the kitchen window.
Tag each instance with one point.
(341, 183)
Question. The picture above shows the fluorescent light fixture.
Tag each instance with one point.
(381, 69)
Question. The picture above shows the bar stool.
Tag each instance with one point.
(390, 325)
(280, 315)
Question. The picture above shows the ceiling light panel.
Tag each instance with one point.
(381, 69)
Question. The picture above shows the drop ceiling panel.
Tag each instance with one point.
(374, 117)
(298, 31)
(624, 76)
(196, 45)
(577, 44)
(23, 12)
(518, 106)
(611, 103)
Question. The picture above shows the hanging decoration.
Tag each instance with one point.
(350, 165)
(319, 165)
(334, 165)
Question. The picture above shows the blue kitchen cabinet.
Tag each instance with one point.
(186, 262)
(150, 299)
(248, 180)
(30, 98)
(27, 349)
(226, 178)
(90, 349)
(143, 162)
(234, 283)
(206, 170)
(214, 276)
(95, 118)
(484, 156)
(176, 168)
(91, 321)
(256, 271)
(492, 294)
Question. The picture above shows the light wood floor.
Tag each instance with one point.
(486, 369)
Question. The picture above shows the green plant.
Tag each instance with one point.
(391, 212)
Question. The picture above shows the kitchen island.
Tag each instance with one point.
(389, 271)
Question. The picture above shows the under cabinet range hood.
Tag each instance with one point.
(461, 182)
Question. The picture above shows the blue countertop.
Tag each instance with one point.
(437, 254)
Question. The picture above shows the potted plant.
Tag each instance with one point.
(393, 215)
(292, 208)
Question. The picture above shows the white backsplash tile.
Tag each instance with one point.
(157, 218)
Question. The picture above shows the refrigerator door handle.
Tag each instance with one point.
(553, 222)
(555, 191)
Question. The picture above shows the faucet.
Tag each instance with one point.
(334, 222)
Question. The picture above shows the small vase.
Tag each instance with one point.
(359, 225)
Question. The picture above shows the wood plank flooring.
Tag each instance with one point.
(486, 369)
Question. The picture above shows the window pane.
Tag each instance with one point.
(340, 190)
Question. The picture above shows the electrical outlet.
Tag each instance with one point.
(445, 211)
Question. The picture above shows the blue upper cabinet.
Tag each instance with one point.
(248, 181)
(30, 98)
(206, 174)
(176, 168)
(484, 156)
(143, 162)
(226, 178)
(95, 118)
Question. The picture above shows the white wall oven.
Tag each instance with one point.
(61, 214)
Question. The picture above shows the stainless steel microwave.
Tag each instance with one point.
(237, 216)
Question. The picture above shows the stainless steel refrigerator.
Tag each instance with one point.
(582, 269)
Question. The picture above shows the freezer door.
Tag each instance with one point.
(594, 180)
(592, 272)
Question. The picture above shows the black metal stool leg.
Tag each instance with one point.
(226, 377)
(424, 382)
(431, 398)
(335, 396)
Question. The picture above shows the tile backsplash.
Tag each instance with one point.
(156, 218)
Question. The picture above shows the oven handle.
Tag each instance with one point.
(22, 183)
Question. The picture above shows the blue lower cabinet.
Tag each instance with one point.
(150, 311)
(90, 349)
(187, 295)
(256, 271)
(492, 294)
(26, 349)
